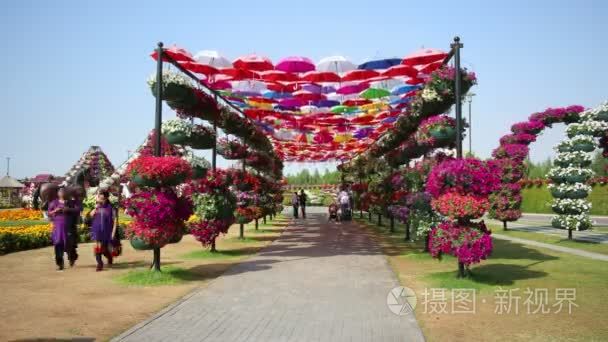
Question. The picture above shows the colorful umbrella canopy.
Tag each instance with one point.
(400, 70)
(424, 56)
(295, 64)
(253, 62)
(336, 64)
(278, 75)
(352, 88)
(384, 63)
(199, 68)
(239, 74)
(212, 58)
(176, 53)
(403, 89)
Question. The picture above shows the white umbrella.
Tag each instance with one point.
(309, 109)
(248, 85)
(212, 58)
(387, 84)
(337, 64)
(340, 97)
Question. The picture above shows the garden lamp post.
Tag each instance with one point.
(158, 117)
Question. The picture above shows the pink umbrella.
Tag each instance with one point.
(429, 68)
(200, 68)
(424, 56)
(291, 102)
(353, 88)
(295, 64)
(308, 96)
(253, 62)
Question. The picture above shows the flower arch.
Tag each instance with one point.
(514, 148)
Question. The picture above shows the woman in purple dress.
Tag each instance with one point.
(59, 216)
(102, 228)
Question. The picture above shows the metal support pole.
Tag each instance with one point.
(470, 128)
(241, 226)
(456, 46)
(214, 150)
(157, 125)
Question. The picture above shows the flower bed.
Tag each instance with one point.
(20, 215)
(20, 238)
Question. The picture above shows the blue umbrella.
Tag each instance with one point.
(380, 63)
(326, 103)
(389, 120)
(399, 101)
(269, 94)
(403, 89)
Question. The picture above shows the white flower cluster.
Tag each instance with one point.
(569, 171)
(196, 161)
(177, 125)
(571, 157)
(579, 205)
(565, 187)
(572, 222)
(170, 77)
(429, 94)
(581, 133)
(587, 127)
(592, 114)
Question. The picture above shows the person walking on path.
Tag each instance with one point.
(103, 229)
(302, 199)
(295, 203)
(59, 216)
(73, 210)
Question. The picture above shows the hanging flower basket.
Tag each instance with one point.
(140, 244)
(576, 178)
(574, 194)
(202, 142)
(443, 135)
(199, 172)
(602, 116)
(177, 138)
(159, 171)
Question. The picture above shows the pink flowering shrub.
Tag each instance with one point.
(206, 231)
(158, 215)
(517, 152)
(469, 243)
(518, 138)
(463, 176)
(530, 127)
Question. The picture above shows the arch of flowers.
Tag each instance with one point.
(569, 174)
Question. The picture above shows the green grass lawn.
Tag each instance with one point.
(511, 266)
(538, 200)
(554, 240)
(169, 275)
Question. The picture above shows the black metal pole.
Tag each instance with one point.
(470, 128)
(457, 93)
(242, 226)
(157, 126)
(214, 150)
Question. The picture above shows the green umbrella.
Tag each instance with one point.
(343, 109)
(374, 93)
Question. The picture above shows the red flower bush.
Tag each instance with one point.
(459, 207)
(206, 231)
(529, 127)
(160, 169)
(359, 187)
(469, 243)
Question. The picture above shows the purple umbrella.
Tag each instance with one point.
(295, 64)
(311, 87)
(291, 102)
(328, 89)
(363, 132)
(352, 89)
(326, 103)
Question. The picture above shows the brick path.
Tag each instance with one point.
(317, 282)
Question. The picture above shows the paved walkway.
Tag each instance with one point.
(317, 282)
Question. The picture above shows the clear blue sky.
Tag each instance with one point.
(74, 73)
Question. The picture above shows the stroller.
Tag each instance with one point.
(333, 212)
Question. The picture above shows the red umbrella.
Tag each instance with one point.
(359, 75)
(321, 76)
(308, 96)
(239, 74)
(414, 81)
(253, 62)
(277, 75)
(429, 68)
(400, 70)
(219, 85)
(200, 68)
(356, 102)
(176, 53)
(282, 88)
(295, 64)
(424, 56)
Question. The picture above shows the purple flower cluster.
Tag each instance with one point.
(530, 127)
(518, 138)
(399, 212)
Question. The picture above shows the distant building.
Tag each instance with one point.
(10, 192)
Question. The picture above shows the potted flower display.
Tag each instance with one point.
(231, 149)
(199, 165)
(159, 171)
(584, 143)
(437, 131)
(177, 131)
(177, 89)
(202, 138)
